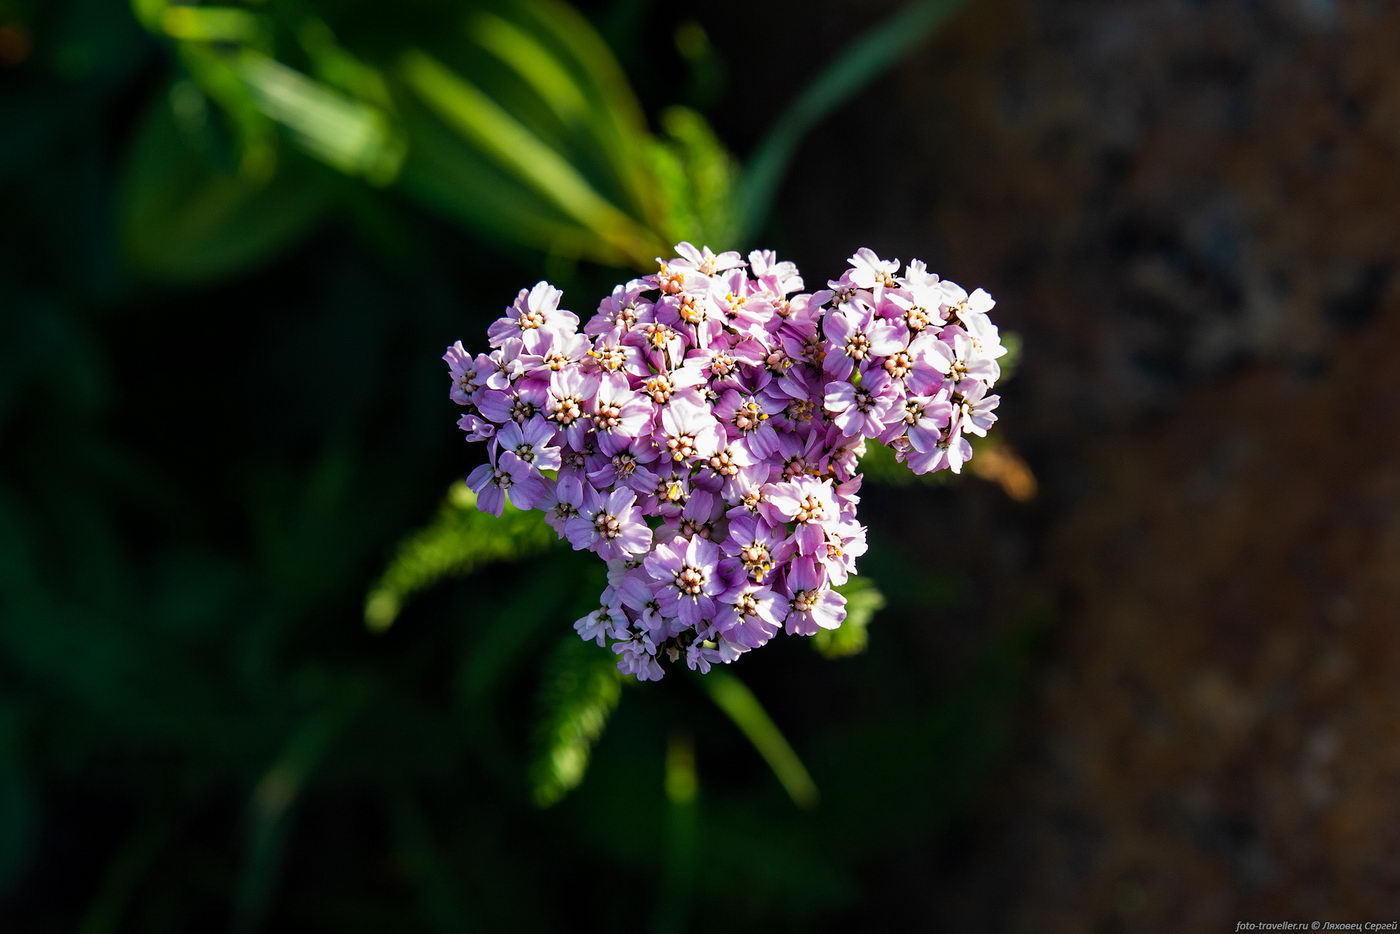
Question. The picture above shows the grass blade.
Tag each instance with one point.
(273, 800)
(617, 124)
(851, 70)
(512, 145)
(438, 887)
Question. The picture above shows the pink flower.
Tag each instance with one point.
(688, 433)
(814, 606)
(863, 410)
(619, 415)
(809, 504)
(610, 524)
(532, 316)
(702, 434)
(527, 449)
(857, 339)
(468, 373)
(688, 572)
(491, 484)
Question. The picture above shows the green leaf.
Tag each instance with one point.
(512, 145)
(677, 883)
(183, 219)
(332, 63)
(439, 890)
(254, 135)
(460, 540)
(506, 636)
(448, 174)
(1011, 362)
(740, 705)
(853, 68)
(209, 24)
(615, 123)
(351, 136)
(125, 871)
(532, 62)
(581, 688)
(695, 175)
(863, 601)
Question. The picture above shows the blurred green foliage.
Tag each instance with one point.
(581, 688)
(512, 118)
(242, 233)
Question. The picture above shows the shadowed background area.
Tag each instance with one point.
(262, 669)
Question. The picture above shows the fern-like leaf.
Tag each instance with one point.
(460, 540)
(580, 690)
(695, 175)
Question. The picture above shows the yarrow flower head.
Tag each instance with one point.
(702, 435)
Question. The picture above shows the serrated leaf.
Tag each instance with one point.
(460, 540)
(699, 202)
(580, 689)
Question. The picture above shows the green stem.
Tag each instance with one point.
(741, 706)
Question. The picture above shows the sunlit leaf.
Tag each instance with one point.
(532, 62)
(449, 175)
(333, 64)
(695, 174)
(209, 24)
(863, 601)
(513, 146)
(616, 125)
(348, 134)
(677, 882)
(460, 540)
(255, 138)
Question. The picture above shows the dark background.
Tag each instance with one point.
(1157, 695)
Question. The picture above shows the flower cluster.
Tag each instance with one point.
(702, 434)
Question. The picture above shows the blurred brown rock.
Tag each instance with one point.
(1190, 211)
